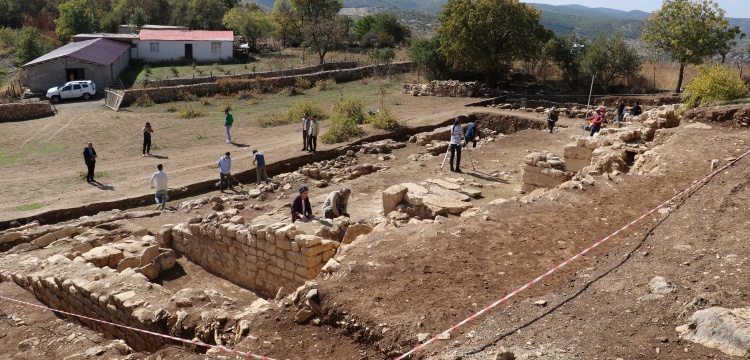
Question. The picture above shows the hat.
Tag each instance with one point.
(599, 109)
(554, 108)
(302, 189)
(346, 191)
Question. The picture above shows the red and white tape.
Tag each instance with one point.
(191, 342)
(566, 262)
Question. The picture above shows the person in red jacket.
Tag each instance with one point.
(598, 121)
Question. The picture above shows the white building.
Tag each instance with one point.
(170, 45)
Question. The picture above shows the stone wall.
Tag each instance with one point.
(265, 74)
(25, 111)
(231, 86)
(543, 170)
(448, 88)
(269, 259)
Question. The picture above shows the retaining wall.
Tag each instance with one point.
(258, 257)
(25, 111)
(231, 86)
(265, 74)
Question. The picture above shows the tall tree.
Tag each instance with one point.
(138, 18)
(610, 60)
(488, 35)
(250, 22)
(75, 18)
(689, 32)
(567, 53)
(30, 44)
(426, 52)
(323, 35)
(206, 14)
(284, 17)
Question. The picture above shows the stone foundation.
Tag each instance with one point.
(25, 111)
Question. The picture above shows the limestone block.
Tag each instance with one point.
(302, 260)
(11, 236)
(65, 232)
(164, 236)
(318, 249)
(307, 240)
(284, 244)
(150, 271)
(444, 184)
(281, 233)
(353, 231)
(104, 256)
(392, 196)
(131, 262)
(471, 192)
(450, 194)
(242, 236)
(413, 199)
(238, 219)
(44, 240)
(307, 273)
(331, 267)
(149, 254)
(439, 204)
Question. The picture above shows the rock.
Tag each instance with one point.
(149, 254)
(331, 267)
(719, 328)
(392, 196)
(471, 192)
(444, 184)
(164, 236)
(95, 351)
(44, 240)
(103, 256)
(217, 206)
(11, 236)
(659, 285)
(450, 194)
(353, 231)
(303, 315)
(128, 263)
(422, 336)
(150, 271)
(451, 206)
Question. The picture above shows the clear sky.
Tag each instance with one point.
(733, 8)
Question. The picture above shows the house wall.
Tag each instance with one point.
(117, 67)
(172, 50)
(52, 73)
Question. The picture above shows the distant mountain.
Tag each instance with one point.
(590, 22)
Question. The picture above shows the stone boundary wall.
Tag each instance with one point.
(569, 101)
(448, 88)
(269, 259)
(265, 74)
(25, 111)
(167, 94)
(111, 302)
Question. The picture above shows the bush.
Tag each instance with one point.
(226, 105)
(171, 107)
(326, 84)
(348, 114)
(713, 83)
(186, 95)
(293, 115)
(302, 83)
(190, 112)
(244, 94)
(205, 101)
(384, 120)
(143, 101)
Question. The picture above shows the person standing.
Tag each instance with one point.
(305, 126)
(598, 121)
(225, 168)
(228, 121)
(455, 144)
(301, 208)
(552, 118)
(260, 167)
(312, 139)
(620, 111)
(147, 130)
(89, 157)
(159, 182)
(336, 203)
(471, 134)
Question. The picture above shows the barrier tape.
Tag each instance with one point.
(191, 342)
(558, 267)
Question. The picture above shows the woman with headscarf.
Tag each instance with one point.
(301, 208)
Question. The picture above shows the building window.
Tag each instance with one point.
(216, 48)
(154, 47)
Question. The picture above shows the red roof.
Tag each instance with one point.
(187, 35)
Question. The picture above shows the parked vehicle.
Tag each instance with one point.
(71, 90)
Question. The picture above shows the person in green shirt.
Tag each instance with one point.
(228, 120)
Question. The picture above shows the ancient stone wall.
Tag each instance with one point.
(448, 88)
(269, 259)
(543, 170)
(265, 74)
(230, 86)
(25, 111)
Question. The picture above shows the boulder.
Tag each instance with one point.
(438, 203)
(450, 194)
(353, 231)
(719, 328)
(10, 236)
(392, 196)
(44, 240)
(104, 256)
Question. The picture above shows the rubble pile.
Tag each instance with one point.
(345, 167)
(448, 88)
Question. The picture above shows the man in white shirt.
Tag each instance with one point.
(305, 128)
(159, 182)
(457, 136)
(225, 168)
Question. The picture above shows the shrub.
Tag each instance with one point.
(190, 111)
(291, 91)
(226, 105)
(171, 107)
(348, 114)
(205, 101)
(713, 83)
(147, 69)
(293, 115)
(302, 83)
(143, 101)
(384, 120)
(174, 70)
(244, 94)
(325, 84)
(186, 95)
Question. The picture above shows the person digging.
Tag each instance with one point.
(336, 203)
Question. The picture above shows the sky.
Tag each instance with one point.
(732, 8)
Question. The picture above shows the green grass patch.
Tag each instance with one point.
(9, 159)
(46, 148)
(293, 115)
(81, 175)
(191, 112)
(29, 207)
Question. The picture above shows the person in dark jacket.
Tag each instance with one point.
(147, 130)
(89, 157)
(471, 134)
(301, 208)
(552, 118)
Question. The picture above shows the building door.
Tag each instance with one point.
(189, 51)
(74, 74)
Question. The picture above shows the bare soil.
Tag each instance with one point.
(423, 279)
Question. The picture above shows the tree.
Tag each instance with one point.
(567, 53)
(486, 36)
(315, 10)
(426, 52)
(323, 35)
(75, 18)
(30, 44)
(689, 32)
(388, 23)
(283, 15)
(206, 14)
(609, 60)
(138, 18)
(250, 22)
(363, 25)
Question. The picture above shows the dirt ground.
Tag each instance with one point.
(423, 279)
